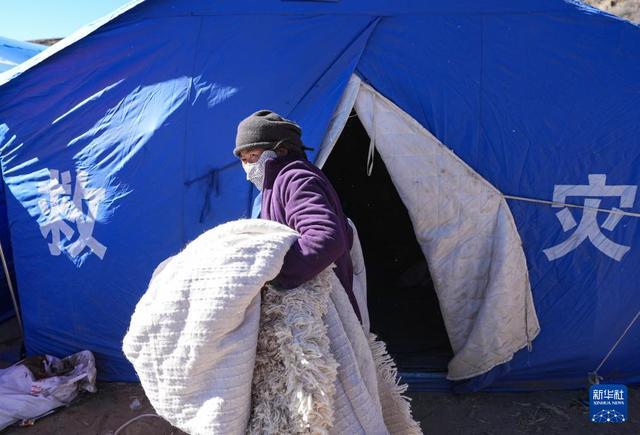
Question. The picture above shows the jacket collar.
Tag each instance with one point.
(272, 168)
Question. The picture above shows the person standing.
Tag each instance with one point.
(297, 194)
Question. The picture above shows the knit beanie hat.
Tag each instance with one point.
(266, 129)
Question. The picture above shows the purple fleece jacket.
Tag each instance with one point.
(297, 194)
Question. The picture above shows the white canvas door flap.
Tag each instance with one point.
(338, 120)
(468, 235)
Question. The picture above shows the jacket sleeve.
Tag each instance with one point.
(308, 210)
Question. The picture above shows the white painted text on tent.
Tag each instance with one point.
(65, 215)
(588, 228)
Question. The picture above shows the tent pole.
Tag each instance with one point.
(11, 290)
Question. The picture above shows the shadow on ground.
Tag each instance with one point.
(548, 412)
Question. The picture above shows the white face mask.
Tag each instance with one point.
(255, 171)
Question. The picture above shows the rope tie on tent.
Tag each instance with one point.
(562, 204)
(372, 143)
(594, 378)
(211, 178)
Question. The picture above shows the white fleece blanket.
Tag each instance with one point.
(197, 337)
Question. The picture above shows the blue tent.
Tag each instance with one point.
(116, 150)
(12, 53)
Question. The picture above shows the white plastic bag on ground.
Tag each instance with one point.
(25, 397)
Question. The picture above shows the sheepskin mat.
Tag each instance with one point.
(218, 352)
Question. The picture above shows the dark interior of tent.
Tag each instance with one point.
(403, 306)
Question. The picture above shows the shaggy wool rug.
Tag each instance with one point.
(217, 352)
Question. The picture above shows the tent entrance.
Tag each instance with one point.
(403, 307)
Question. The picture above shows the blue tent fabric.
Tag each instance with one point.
(530, 102)
(120, 145)
(12, 53)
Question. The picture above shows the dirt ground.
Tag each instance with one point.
(548, 412)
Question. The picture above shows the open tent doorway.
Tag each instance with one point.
(403, 306)
(425, 216)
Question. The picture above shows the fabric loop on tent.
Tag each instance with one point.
(372, 143)
(212, 187)
(594, 378)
